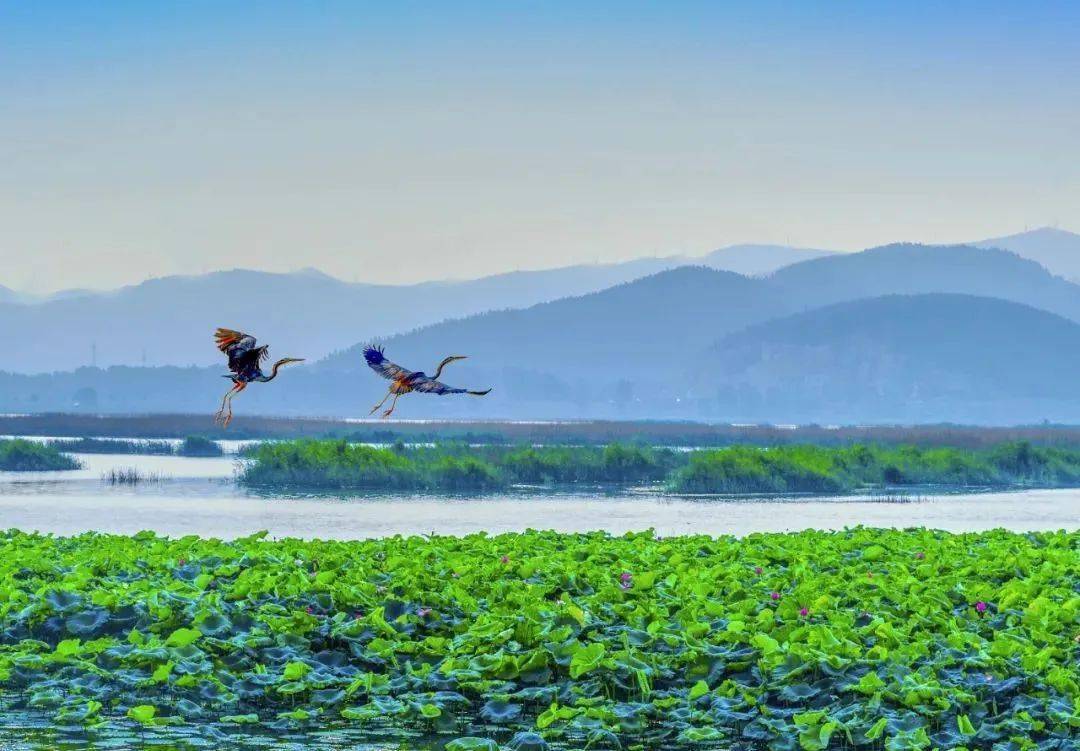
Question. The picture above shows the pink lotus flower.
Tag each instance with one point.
(980, 607)
(182, 561)
(504, 559)
(309, 610)
(774, 595)
(358, 615)
(757, 570)
(424, 612)
(804, 612)
(626, 580)
(920, 555)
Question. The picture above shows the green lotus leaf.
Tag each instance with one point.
(470, 743)
(183, 637)
(586, 659)
(143, 713)
(239, 719)
(88, 623)
(63, 601)
(500, 712)
(700, 735)
(327, 697)
(214, 624)
(294, 671)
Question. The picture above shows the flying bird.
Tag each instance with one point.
(245, 362)
(407, 381)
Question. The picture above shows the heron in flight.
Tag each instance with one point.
(245, 362)
(407, 381)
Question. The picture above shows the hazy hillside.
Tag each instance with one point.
(898, 333)
(898, 358)
(1056, 249)
(757, 260)
(170, 320)
(639, 333)
(921, 269)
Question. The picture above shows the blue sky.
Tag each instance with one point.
(400, 142)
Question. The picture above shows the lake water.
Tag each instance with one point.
(199, 497)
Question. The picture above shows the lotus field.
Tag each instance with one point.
(858, 639)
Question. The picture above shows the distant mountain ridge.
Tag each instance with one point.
(907, 268)
(885, 359)
(168, 320)
(899, 333)
(1056, 249)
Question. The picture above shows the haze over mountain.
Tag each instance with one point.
(168, 321)
(634, 336)
(898, 358)
(918, 269)
(1056, 249)
(812, 340)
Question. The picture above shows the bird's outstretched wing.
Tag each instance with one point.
(377, 361)
(241, 350)
(426, 385)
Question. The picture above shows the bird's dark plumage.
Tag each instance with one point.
(245, 362)
(245, 359)
(405, 381)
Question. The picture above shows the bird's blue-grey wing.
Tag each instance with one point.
(377, 361)
(426, 385)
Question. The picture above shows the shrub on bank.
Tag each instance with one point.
(197, 445)
(19, 455)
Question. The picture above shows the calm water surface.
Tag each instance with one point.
(199, 497)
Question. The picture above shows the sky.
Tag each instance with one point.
(400, 142)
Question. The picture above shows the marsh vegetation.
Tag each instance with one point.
(732, 470)
(192, 445)
(19, 455)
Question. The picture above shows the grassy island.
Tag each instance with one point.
(191, 446)
(814, 469)
(20, 455)
(449, 467)
(327, 464)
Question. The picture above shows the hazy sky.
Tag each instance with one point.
(407, 141)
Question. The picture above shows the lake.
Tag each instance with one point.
(199, 497)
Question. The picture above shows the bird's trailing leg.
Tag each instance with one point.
(392, 405)
(225, 417)
(219, 416)
(380, 403)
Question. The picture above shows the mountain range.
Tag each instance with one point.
(168, 321)
(897, 333)
(1056, 249)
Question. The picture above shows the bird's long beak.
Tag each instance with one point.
(294, 359)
